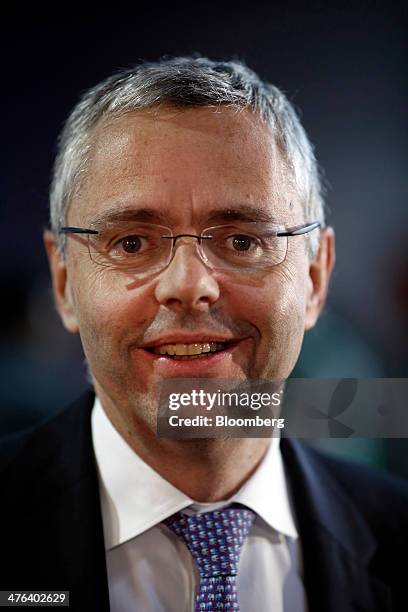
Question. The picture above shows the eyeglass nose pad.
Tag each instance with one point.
(198, 243)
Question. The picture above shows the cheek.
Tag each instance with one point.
(287, 319)
(110, 312)
(268, 300)
(275, 305)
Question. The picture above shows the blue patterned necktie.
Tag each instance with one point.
(215, 540)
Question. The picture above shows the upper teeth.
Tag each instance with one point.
(196, 348)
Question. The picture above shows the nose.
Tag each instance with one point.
(187, 284)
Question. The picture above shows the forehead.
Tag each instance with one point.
(183, 163)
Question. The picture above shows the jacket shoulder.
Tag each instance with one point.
(380, 497)
(45, 438)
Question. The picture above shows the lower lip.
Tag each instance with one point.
(167, 366)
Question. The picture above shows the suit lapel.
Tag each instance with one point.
(80, 511)
(57, 505)
(336, 542)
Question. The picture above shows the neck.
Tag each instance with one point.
(207, 470)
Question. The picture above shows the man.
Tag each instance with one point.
(188, 241)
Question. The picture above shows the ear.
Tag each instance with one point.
(61, 288)
(320, 270)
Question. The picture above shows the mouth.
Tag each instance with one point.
(200, 355)
(191, 351)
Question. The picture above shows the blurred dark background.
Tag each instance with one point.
(344, 66)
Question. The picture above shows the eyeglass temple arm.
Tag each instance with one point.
(300, 229)
(77, 230)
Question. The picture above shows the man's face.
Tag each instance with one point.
(189, 168)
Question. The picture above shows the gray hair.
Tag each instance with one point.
(184, 82)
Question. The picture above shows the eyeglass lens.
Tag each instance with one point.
(141, 247)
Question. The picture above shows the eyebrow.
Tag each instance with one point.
(240, 213)
(151, 215)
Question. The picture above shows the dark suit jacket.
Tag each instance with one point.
(352, 521)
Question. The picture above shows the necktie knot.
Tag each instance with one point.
(214, 538)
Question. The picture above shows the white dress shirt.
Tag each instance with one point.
(151, 570)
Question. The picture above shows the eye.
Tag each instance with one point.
(241, 242)
(131, 244)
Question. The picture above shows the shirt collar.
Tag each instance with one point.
(123, 475)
